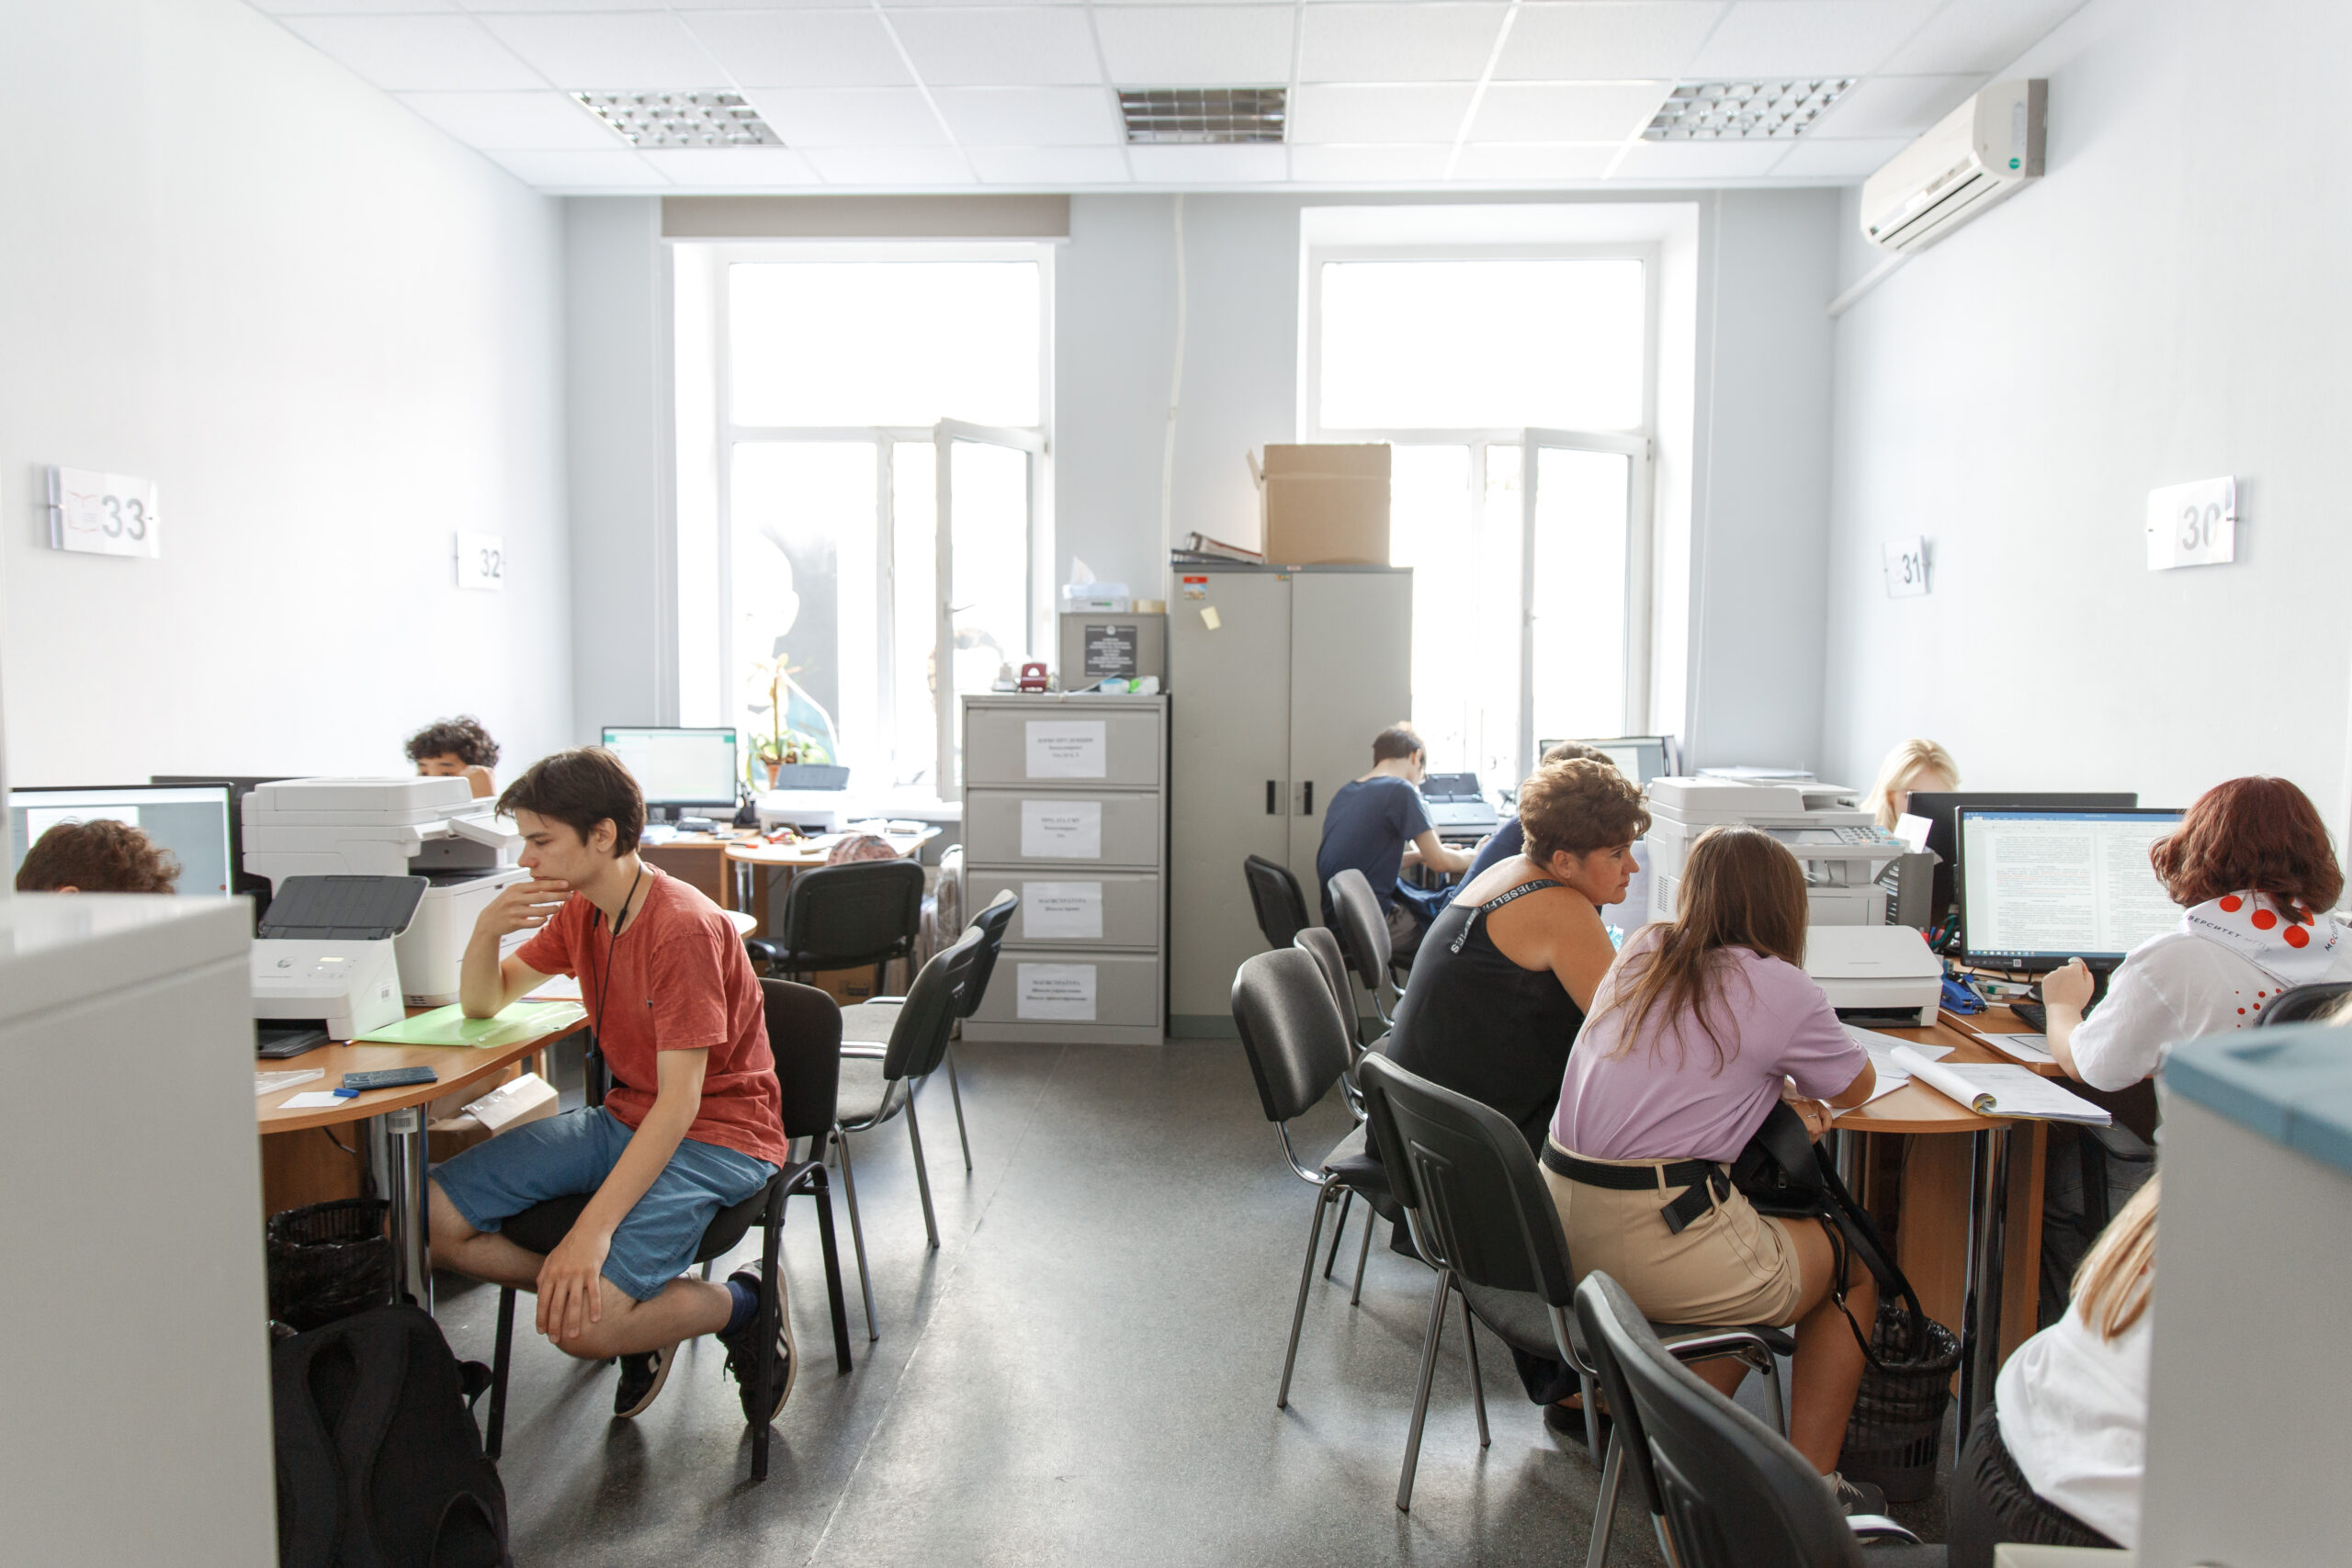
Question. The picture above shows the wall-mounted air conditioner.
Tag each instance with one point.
(1980, 154)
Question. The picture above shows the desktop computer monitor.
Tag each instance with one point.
(2039, 888)
(192, 821)
(1640, 758)
(676, 767)
(1941, 807)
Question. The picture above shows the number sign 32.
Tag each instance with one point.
(2193, 524)
(481, 560)
(103, 514)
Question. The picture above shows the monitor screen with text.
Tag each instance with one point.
(2049, 885)
(678, 767)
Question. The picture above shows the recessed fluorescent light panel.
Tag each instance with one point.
(1221, 117)
(1743, 111)
(681, 119)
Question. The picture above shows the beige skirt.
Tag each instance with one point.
(1731, 1266)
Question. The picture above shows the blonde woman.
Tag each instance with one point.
(2057, 1460)
(1915, 764)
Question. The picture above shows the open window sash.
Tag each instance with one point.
(1584, 587)
(991, 604)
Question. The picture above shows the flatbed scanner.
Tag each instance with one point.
(1837, 841)
(326, 955)
(1885, 972)
(433, 829)
(1457, 805)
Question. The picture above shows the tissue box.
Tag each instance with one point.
(1103, 597)
(1324, 505)
(528, 1099)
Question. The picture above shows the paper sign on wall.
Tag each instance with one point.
(1061, 992)
(1905, 564)
(1062, 911)
(1061, 830)
(1068, 748)
(2193, 524)
(481, 560)
(101, 514)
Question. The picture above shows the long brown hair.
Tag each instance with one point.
(2112, 1286)
(1741, 888)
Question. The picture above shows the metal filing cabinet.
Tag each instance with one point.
(1065, 802)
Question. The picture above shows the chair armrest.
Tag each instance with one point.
(1878, 1527)
(870, 1050)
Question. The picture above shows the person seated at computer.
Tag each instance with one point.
(1379, 825)
(457, 748)
(1704, 1021)
(2057, 1459)
(2254, 872)
(98, 856)
(1915, 765)
(692, 1123)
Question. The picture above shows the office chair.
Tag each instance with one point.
(1362, 932)
(1324, 947)
(1297, 1049)
(803, 1036)
(1478, 1210)
(845, 917)
(1274, 894)
(1723, 1489)
(2304, 1003)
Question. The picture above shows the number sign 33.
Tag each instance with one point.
(101, 514)
(2193, 524)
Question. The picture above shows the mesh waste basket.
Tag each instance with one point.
(327, 1261)
(1896, 1434)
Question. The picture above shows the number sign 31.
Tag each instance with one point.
(481, 560)
(2193, 524)
(1906, 568)
(101, 514)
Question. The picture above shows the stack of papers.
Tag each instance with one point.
(2033, 1050)
(555, 988)
(450, 1026)
(2001, 1089)
(1892, 1073)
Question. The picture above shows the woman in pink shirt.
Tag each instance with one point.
(1702, 1023)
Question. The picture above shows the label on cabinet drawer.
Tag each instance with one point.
(1062, 911)
(1068, 748)
(1061, 992)
(1061, 830)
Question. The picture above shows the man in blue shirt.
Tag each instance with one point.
(1378, 825)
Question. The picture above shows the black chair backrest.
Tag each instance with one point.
(1733, 1491)
(1475, 1192)
(919, 1037)
(805, 1037)
(1274, 893)
(2304, 1003)
(1297, 1046)
(841, 917)
(1319, 943)
(1363, 929)
(990, 923)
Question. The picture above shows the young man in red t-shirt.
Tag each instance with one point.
(691, 1124)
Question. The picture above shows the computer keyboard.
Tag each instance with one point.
(2033, 1014)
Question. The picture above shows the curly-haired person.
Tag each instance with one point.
(457, 748)
(98, 856)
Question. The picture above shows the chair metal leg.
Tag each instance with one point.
(500, 1358)
(1339, 1230)
(824, 1196)
(1306, 1278)
(856, 1231)
(956, 1092)
(1421, 1397)
(1772, 1388)
(1363, 1251)
(770, 1309)
(923, 1177)
(1477, 1383)
(1605, 1512)
(1591, 1393)
(706, 1268)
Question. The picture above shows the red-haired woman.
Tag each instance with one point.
(2251, 866)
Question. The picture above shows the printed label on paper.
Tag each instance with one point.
(1062, 911)
(1061, 830)
(1068, 748)
(1062, 993)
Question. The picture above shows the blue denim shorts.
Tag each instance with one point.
(573, 1152)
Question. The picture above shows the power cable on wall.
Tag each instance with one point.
(1175, 395)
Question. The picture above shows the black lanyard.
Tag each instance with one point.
(597, 1030)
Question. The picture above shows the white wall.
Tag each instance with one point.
(2167, 304)
(333, 337)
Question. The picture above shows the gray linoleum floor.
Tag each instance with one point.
(1084, 1372)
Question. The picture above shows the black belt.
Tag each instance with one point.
(1704, 1180)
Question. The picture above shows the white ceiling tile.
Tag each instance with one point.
(1982, 35)
(1397, 42)
(848, 117)
(420, 52)
(618, 170)
(1491, 161)
(1606, 40)
(1197, 46)
(1029, 116)
(1577, 112)
(801, 49)
(891, 165)
(540, 121)
(620, 49)
(1207, 166)
(1822, 158)
(1049, 166)
(1354, 113)
(1895, 106)
(1809, 37)
(492, 7)
(1417, 163)
(731, 168)
(348, 7)
(1700, 160)
(987, 46)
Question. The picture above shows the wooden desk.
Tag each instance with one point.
(747, 855)
(699, 861)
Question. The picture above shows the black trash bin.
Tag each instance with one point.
(1895, 1435)
(328, 1261)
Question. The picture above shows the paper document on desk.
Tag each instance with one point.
(555, 988)
(2033, 1050)
(450, 1026)
(1882, 1047)
(270, 1083)
(2001, 1089)
(318, 1099)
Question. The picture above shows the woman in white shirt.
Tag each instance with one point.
(2254, 872)
(2057, 1460)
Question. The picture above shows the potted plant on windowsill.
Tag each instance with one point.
(795, 757)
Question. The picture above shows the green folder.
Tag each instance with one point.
(450, 1026)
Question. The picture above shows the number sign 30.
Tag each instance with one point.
(101, 514)
(2193, 524)
(481, 560)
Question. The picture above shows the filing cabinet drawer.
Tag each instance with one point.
(1048, 744)
(1066, 830)
(1055, 987)
(1073, 908)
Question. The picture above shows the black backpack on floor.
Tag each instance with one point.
(379, 1463)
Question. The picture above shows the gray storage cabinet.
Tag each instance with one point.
(1065, 803)
(1276, 708)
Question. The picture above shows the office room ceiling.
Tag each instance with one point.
(944, 94)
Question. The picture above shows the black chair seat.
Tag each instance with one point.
(864, 1091)
(542, 1227)
(1357, 1169)
(1521, 1320)
(869, 1023)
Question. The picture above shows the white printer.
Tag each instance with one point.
(326, 951)
(431, 828)
(1879, 970)
(1838, 842)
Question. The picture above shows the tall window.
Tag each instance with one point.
(861, 495)
(1514, 385)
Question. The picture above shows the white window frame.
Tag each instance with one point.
(1639, 443)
